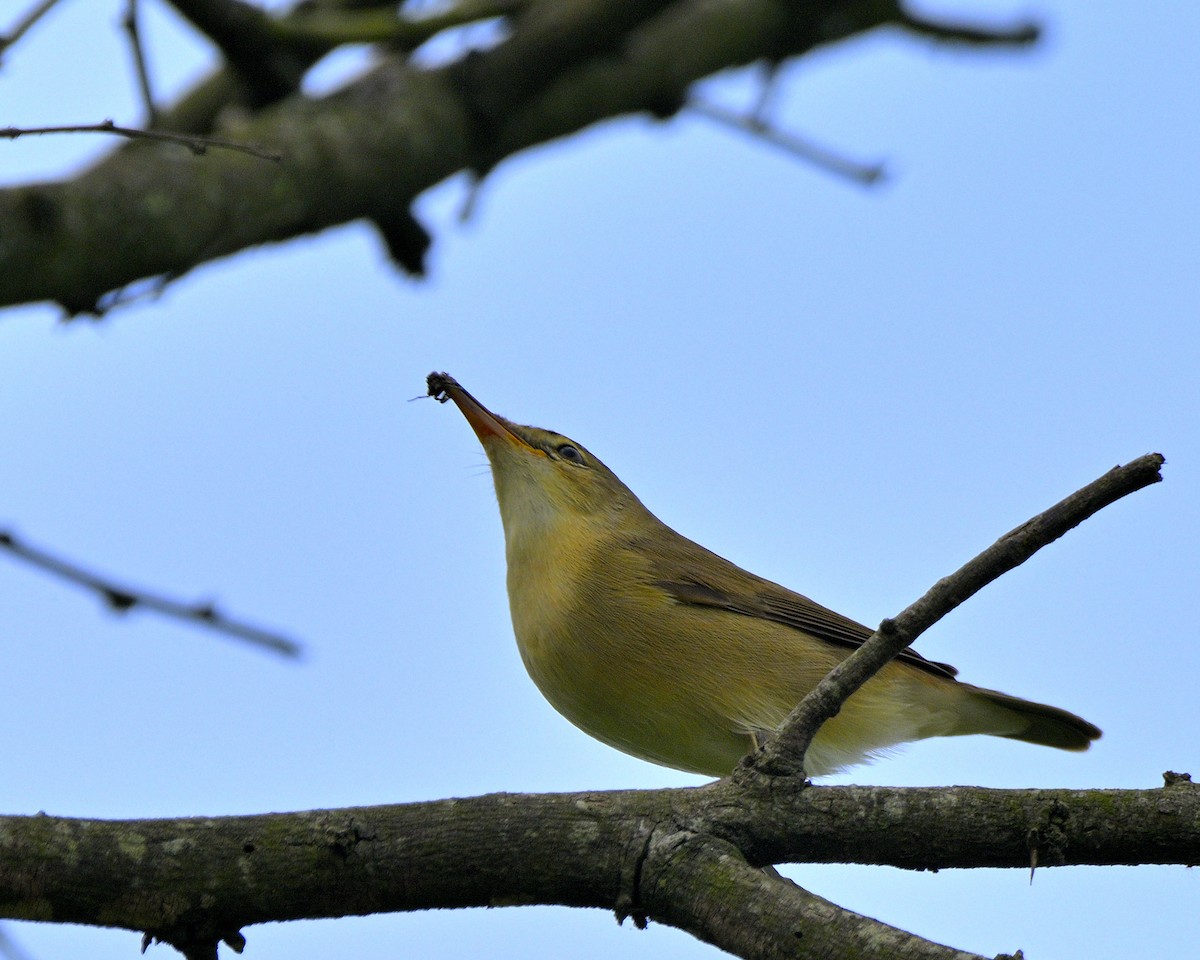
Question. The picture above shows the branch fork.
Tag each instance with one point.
(783, 755)
(697, 859)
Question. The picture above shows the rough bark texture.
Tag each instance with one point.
(155, 210)
(687, 857)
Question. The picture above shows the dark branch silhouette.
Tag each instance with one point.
(122, 599)
(1019, 34)
(22, 26)
(370, 148)
(242, 33)
(197, 144)
(785, 753)
(865, 174)
(131, 24)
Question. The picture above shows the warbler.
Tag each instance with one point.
(663, 649)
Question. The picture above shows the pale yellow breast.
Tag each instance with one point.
(672, 683)
(598, 641)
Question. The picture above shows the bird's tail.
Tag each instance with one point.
(1001, 715)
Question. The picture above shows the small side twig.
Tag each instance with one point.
(198, 145)
(784, 754)
(122, 599)
(768, 89)
(10, 949)
(22, 26)
(131, 24)
(1018, 35)
(806, 150)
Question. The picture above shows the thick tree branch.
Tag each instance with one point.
(371, 149)
(784, 754)
(209, 877)
(760, 915)
(313, 29)
(937, 828)
(549, 38)
(154, 211)
(157, 212)
(243, 34)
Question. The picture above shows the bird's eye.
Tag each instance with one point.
(568, 451)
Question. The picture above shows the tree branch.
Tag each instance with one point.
(866, 175)
(368, 150)
(122, 599)
(22, 26)
(784, 754)
(945, 31)
(760, 915)
(199, 145)
(372, 148)
(130, 22)
(313, 29)
(322, 28)
(212, 876)
(242, 33)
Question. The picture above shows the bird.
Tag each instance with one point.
(659, 647)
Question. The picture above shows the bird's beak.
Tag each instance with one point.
(487, 425)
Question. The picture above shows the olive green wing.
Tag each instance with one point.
(692, 574)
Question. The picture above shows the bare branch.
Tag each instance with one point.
(22, 26)
(784, 754)
(242, 33)
(369, 149)
(705, 886)
(1018, 35)
(549, 39)
(130, 22)
(215, 875)
(121, 599)
(864, 174)
(197, 144)
(10, 949)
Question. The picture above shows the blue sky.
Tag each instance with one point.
(851, 392)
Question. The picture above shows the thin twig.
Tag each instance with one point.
(767, 91)
(198, 145)
(121, 599)
(1018, 35)
(821, 157)
(784, 754)
(10, 949)
(130, 22)
(22, 26)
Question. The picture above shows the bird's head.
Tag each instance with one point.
(543, 479)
